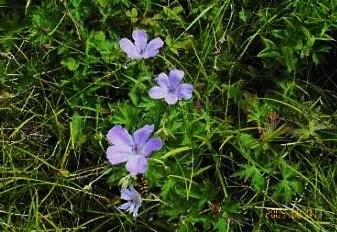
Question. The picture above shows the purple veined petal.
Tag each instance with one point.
(158, 92)
(140, 38)
(131, 209)
(137, 199)
(185, 91)
(118, 155)
(171, 98)
(124, 206)
(129, 48)
(175, 77)
(151, 146)
(162, 80)
(137, 164)
(126, 194)
(133, 191)
(152, 47)
(141, 135)
(119, 136)
(135, 210)
(134, 201)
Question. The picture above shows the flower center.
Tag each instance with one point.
(136, 149)
(141, 51)
(171, 90)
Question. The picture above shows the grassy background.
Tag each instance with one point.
(258, 135)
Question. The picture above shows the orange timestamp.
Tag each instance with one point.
(294, 214)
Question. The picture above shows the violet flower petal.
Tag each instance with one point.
(162, 80)
(152, 145)
(185, 91)
(171, 98)
(141, 135)
(124, 206)
(175, 77)
(135, 210)
(119, 136)
(152, 48)
(129, 48)
(117, 155)
(140, 38)
(126, 194)
(157, 92)
(134, 202)
(136, 164)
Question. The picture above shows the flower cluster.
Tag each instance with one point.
(169, 87)
(136, 148)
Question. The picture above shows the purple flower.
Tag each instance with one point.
(134, 201)
(132, 149)
(170, 88)
(140, 49)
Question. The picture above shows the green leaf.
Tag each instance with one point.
(132, 13)
(76, 3)
(269, 43)
(124, 2)
(286, 189)
(290, 60)
(289, 185)
(64, 173)
(315, 58)
(76, 127)
(103, 3)
(242, 15)
(280, 34)
(178, 44)
(253, 173)
(185, 226)
(270, 50)
(126, 114)
(221, 224)
(267, 53)
(310, 39)
(165, 190)
(175, 151)
(98, 41)
(174, 13)
(289, 24)
(70, 63)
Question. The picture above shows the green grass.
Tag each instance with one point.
(258, 135)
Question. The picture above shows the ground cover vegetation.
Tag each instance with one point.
(222, 119)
